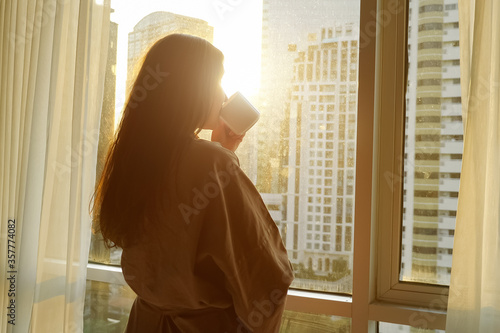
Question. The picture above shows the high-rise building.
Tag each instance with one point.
(319, 149)
(156, 25)
(283, 25)
(433, 141)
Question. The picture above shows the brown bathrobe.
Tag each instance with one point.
(218, 263)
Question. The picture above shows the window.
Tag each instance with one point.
(332, 73)
(428, 157)
(394, 328)
(430, 26)
(412, 177)
(430, 8)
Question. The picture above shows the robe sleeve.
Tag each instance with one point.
(240, 237)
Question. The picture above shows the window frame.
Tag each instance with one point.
(428, 301)
(377, 293)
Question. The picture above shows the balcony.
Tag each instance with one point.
(451, 166)
(444, 260)
(451, 16)
(445, 242)
(452, 109)
(447, 204)
(451, 128)
(450, 35)
(450, 147)
(451, 72)
(451, 53)
(450, 184)
(447, 222)
(452, 90)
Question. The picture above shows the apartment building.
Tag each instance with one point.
(154, 26)
(319, 145)
(286, 24)
(433, 141)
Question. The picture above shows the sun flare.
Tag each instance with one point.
(237, 33)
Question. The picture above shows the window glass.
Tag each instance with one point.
(297, 62)
(433, 143)
(107, 306)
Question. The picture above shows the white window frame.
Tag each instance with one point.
(378, 295)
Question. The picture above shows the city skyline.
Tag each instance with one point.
(321, 150)
(286, 26)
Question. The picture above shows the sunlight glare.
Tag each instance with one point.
(237, 33)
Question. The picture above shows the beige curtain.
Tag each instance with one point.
(52, 59)
(474, 301)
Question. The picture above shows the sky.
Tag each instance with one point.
(237, 33)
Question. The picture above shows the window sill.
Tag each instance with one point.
(321, 303)
(407, 315)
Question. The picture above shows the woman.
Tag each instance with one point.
(199, 247)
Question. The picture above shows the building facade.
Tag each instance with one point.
(156, 25)
(285, 25)
(319, 149)
(433, 142)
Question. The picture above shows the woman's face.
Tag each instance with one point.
(213, 117)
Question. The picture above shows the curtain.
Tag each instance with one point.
(52, 59)
(474, 295)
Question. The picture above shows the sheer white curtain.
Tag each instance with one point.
(52, 59)
(474, 301)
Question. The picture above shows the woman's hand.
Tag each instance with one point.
(227, 138)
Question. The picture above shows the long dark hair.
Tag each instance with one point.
(168, 104)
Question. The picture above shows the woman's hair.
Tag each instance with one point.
(169, 102)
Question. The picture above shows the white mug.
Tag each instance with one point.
(239, 114)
